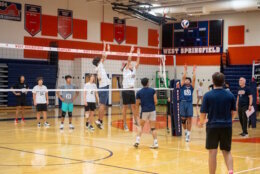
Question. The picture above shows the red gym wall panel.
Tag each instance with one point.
(236, 35)
(49, 25)
(243, 55)
(80, 29)
(153, 38)
(131, 35)
(200, 60)
(107, 32)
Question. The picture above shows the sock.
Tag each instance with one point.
(70, 122)
(230, 172)
(155, 141)
(185, 130)
(39, 123)
(138, 139)
(61, 122)
(188, 132)
(87, 123)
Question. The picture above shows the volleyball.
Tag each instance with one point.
(185, 23)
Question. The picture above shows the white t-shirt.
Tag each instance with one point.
(40, 92)
(200, 91)
(104, 81)
(129, 78)
(90, 93)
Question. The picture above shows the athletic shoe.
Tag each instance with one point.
(136, 144)
(91, 128)
(244, 135)
(241, 134)
(154, 146)
(39, 124)
(99, 124)
(46, 124)
(71, 126)
(126, 127)
(16, 121)
(61, 126)
(187, 138)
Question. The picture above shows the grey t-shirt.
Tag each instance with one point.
(68, 95)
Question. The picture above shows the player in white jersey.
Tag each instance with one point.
(200, 93)
(129, 77)
(104, 83)
(90, 99)
(41, 101)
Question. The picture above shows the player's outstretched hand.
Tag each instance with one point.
(194, 68)
(185, 67)
(138, 51)
(132, 49)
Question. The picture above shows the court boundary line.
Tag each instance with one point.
(78, 161)
(248, 170)
(146, 145)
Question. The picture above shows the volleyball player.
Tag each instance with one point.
(104, 83)
(20, 98)
(90, 100)
(67, 98)
(186, 98)
(148, 99)
(41, 100)
(199, 96)
(129, 76)
(220, 106)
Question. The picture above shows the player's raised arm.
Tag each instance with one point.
(194, 76)
(104, 55)
(184, 75)
(138, 58)
(130, 57)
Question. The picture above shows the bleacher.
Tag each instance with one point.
(234, 72)
(31, 70)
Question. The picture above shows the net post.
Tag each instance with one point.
(175, 111)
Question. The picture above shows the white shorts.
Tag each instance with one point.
(151, 116)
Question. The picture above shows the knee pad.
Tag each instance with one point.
(183, 121)
(63, 114)
(153, 129)
(70, 114)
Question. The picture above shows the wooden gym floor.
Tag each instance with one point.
(24, 148)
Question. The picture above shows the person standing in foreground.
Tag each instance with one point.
(244, 103)
(220, 105)
(41, 100)
(90, 98)
(186, 98)
(129, 76)
(104, 83)
(67, 98)
(20, 98)
(148, 99)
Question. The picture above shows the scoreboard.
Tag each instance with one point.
(199, 37)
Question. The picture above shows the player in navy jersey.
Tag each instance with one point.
(186, 107)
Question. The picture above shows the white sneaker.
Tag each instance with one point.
(126, 128)
(46, 124)
(71, 126)
(154, 146)
(61, 126)
(99, 124)
(136, 144)
(187, 138)
(91, 128)
(39, 125)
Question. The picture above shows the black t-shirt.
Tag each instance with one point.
(243, 94)
(21, 86)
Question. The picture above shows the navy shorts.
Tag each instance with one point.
(103, 95)
(186, 109)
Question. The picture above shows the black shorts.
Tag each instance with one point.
(128, 97)
(222, 136)
(41, 107)
(90, 107)
(20, 101)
